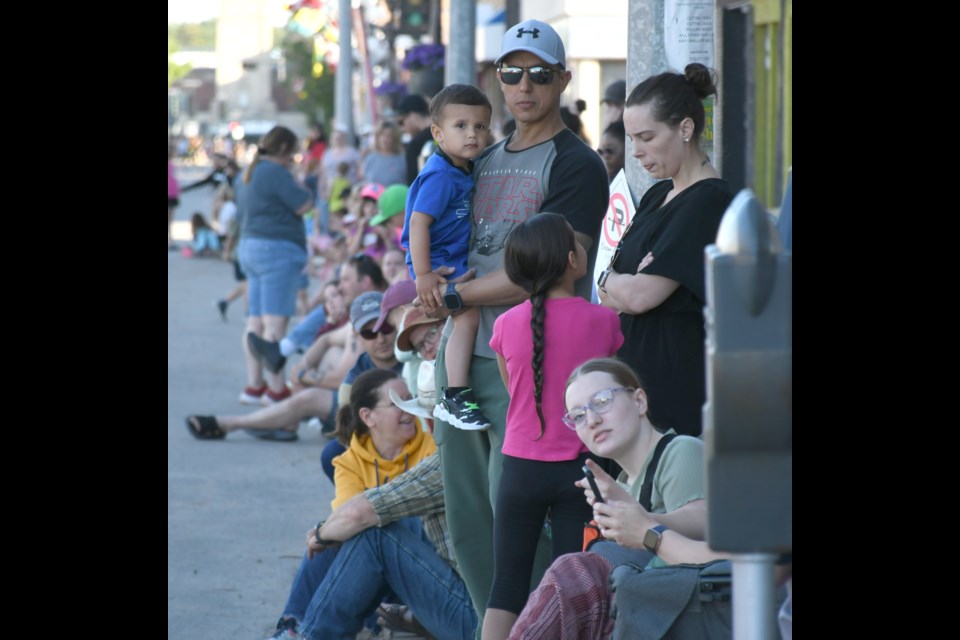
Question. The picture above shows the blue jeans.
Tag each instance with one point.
(377, 560)
(330, 451)
(309, 577)
(305, 332)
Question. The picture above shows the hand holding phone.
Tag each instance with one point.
(593, 484)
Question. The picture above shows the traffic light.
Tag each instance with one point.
(414, 17)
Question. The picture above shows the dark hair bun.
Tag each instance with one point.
(701, 79)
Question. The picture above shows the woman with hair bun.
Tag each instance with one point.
(655, 279)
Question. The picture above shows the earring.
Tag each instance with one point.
(686, 140)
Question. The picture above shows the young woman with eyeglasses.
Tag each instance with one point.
(607, 406)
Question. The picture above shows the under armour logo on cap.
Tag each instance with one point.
(535, 37)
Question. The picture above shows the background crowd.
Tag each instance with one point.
(569, 373)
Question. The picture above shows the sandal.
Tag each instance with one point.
(205, 428)
(392, 616)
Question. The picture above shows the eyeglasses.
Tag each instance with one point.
(539, 74)
(600, 403)
(429, 337)
(386, 329)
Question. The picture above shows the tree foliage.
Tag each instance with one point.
(314, 95)
(174, 71)
(194, 36)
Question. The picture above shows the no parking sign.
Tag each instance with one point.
(620, 212)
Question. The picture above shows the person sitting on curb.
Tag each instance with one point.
(379, 554)
(279, 422)
(418, 329)
(384, 443)
(358, 274)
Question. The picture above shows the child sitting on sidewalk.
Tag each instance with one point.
(436, 231)
(206, 242)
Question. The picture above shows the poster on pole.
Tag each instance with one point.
(688, 33)
(620, 212)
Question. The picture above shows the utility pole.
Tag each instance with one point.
(461, 64)
(343, 98)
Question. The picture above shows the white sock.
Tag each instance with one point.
(287, 347)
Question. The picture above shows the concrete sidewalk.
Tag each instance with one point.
(238, 510)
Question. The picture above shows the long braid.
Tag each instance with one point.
(538, 313)
(534, 261)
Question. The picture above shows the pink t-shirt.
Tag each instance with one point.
(574, 331)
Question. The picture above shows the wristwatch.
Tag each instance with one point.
(452, 299)
(651, 539)
(602, 280)
(316, 535)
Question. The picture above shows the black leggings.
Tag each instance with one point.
(528, 490)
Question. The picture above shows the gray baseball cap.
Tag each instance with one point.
(534, 36)
(365, 308)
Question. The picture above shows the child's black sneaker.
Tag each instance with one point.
(461, 411)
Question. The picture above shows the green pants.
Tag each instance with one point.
(470, 463)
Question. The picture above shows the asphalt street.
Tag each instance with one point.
(237, 509)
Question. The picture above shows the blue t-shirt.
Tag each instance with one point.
(270, 202)
(443, 192)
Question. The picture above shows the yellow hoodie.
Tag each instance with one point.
(361, 467)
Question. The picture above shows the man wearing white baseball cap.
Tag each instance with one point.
(542, 166)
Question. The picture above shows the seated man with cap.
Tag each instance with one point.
(376, 341)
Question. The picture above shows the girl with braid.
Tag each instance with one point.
(538, 344)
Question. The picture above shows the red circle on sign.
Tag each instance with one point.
(617, 197)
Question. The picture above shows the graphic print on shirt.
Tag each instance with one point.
(506, 195)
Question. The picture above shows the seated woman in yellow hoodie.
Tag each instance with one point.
(384, 441)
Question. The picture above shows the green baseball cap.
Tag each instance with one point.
(392, 201)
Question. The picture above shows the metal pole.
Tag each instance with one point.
(754, 607)
(344, 84)
(461, 50)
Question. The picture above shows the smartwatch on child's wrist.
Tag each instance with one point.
(452, 299)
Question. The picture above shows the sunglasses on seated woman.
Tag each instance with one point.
(386, 329)
(539, 74)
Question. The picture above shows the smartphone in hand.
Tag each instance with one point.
(593, 484)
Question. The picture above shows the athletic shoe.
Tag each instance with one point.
(252, 396)
(461, 411)
(266, 352)
(269, 397)
(286, 630)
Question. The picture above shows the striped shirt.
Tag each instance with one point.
(417, 492)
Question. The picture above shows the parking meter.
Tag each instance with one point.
(748, 423)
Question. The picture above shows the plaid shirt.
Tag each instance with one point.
(417, 492)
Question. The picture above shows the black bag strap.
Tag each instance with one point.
(646, 490)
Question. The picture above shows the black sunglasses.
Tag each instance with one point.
(538, 74)
(386, 329)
